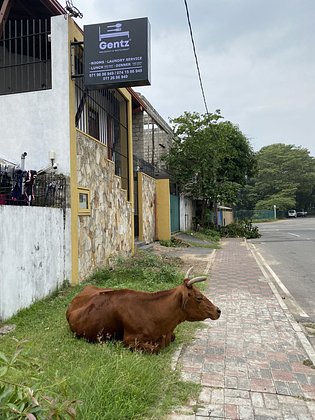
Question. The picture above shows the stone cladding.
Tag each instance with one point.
(107, 231)
(148, 207)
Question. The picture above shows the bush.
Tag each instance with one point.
(174, 243)
(20, 400)
(240, 229)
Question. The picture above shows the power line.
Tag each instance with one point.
(196, 58)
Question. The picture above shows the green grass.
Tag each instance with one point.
(110, 381)
(210, 236)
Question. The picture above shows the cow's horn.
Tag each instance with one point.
(188, 272)
(196, 280)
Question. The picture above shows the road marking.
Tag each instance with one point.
(279, 282)
(297, 328)
(294, 234)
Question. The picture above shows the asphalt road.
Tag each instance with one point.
(287, 249)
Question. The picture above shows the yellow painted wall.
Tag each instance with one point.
(76, 34)
(163, 210)
(140, 206)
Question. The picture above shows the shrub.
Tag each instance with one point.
(19, 400)
(240, 229)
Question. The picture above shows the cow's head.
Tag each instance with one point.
(195, 305)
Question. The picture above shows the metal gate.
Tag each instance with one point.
(174, 199)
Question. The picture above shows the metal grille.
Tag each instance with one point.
(140, 165)
(25, 56)
(102, 114)
(22, 188)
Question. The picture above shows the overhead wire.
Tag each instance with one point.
(196, 58)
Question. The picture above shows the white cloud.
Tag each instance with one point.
(256, 58)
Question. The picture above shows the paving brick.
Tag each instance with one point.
(257, 399)
(231, 382)
(217, 396)
(211, 410)
(250, 361)
(205, 395)
(271, 401)
(246, 413)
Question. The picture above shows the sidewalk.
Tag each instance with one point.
(250, 362)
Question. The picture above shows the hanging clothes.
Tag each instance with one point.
(29, 186)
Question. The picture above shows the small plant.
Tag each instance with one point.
(19, 401)
(207, 234)
(174, 243)
(240, 229)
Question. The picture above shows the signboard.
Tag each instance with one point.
(117, 54)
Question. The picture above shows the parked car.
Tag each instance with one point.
(292, 213)
(301, 213)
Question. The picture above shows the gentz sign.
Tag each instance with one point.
(117, 54)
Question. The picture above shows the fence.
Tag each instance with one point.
(258, 214)
(22, 188)
(25, 56)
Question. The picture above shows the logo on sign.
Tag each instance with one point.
(114, 38)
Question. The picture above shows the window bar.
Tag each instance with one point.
(3, 42)
(40, 52)
(46, 51)
(34, 54)
(16, 54)
(28, 53)
(10, 58)
(22, 55)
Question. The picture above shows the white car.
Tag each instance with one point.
(292, 213)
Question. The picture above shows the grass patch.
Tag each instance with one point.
(206, 238)
(174, 243)
(110, 381)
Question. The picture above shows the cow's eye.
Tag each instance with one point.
(199, 298)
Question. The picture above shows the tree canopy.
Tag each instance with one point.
(210, 158)
(285, 177)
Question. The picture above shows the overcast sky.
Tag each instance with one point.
(257, 61)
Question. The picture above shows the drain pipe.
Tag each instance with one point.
(23, 156)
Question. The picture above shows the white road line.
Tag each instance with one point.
(297, 328)
(294, 234)
(280, 284)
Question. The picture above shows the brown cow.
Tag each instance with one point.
(142, 320)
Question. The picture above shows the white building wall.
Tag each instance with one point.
(187, 212)
(35, 255)
(37, 122)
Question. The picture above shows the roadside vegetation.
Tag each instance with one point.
(56, 373)
(285, 178)
(210, 238)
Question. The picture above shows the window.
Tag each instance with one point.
(84, 208)
(93, 123)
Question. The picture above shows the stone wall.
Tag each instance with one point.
(147, 192)
(108, 230)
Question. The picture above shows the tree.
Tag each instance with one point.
(209, 159)
(285, 177)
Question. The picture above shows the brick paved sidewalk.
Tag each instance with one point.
(249, 362)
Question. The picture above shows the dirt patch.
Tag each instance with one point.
(185, 257)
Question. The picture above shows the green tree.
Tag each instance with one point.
(285, 177)
(210, 159)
